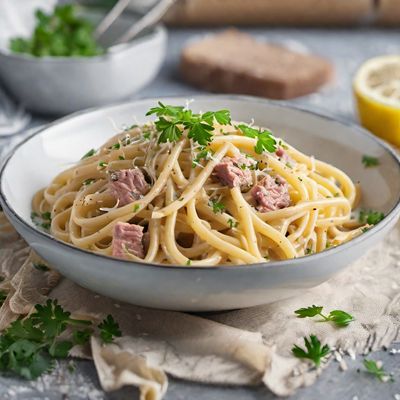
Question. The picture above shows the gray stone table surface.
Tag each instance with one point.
(346, 48)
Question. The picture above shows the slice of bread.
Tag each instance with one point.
(234, 62)
(389, 12)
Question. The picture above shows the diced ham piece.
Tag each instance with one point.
(127, 238)
(284, 156)
(234, 171)
(128, 185)
(271, 194)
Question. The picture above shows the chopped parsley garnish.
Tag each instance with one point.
(109, 329)
(102, 164)
(90, 153)
(370, 217)
(313, 351)
(189, 262)
(217, 207)
(173, 119)
(265, 140)
(146, 135)
(232, 223)
(46, 216)
(116, 146)
(308, 250)
(204, 154)
(88, 181)
(43, 220)
(338, 317)
(369, 161)
(121, 158)
(136, 207)
(373, 367)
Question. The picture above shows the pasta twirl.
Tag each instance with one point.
(197, 189)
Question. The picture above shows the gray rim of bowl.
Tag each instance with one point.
(393, 213)
(155, 32)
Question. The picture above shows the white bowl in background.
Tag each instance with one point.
(39, 158)
(61, 85)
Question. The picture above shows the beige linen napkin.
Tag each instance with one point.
(243, 347)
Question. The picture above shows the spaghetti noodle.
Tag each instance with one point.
(176, 201)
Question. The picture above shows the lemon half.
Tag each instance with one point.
(377, 92)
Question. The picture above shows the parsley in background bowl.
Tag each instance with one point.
(62, 33)
(60, 68)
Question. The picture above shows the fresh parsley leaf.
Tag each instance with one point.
(50, 318)
(369, 161)
(309, 311)
(60, 349)
(372, 367)
(370, 217)
(28, 346)
(223, 117)
(338, 317)
(172, 120)
(90, 153)
(199, 131)
(265, 140)
(217, 207)
(136, 207)
(163, 109)
(61, 33)
(109, 329)
(313, 352)
(82, 337)
(170, 131)
(189, 262)
(25, 359)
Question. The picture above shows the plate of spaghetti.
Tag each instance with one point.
(216, 203)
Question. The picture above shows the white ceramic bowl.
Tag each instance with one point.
(35, 162)
(61, 85)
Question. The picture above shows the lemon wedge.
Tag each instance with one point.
(376, 87)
